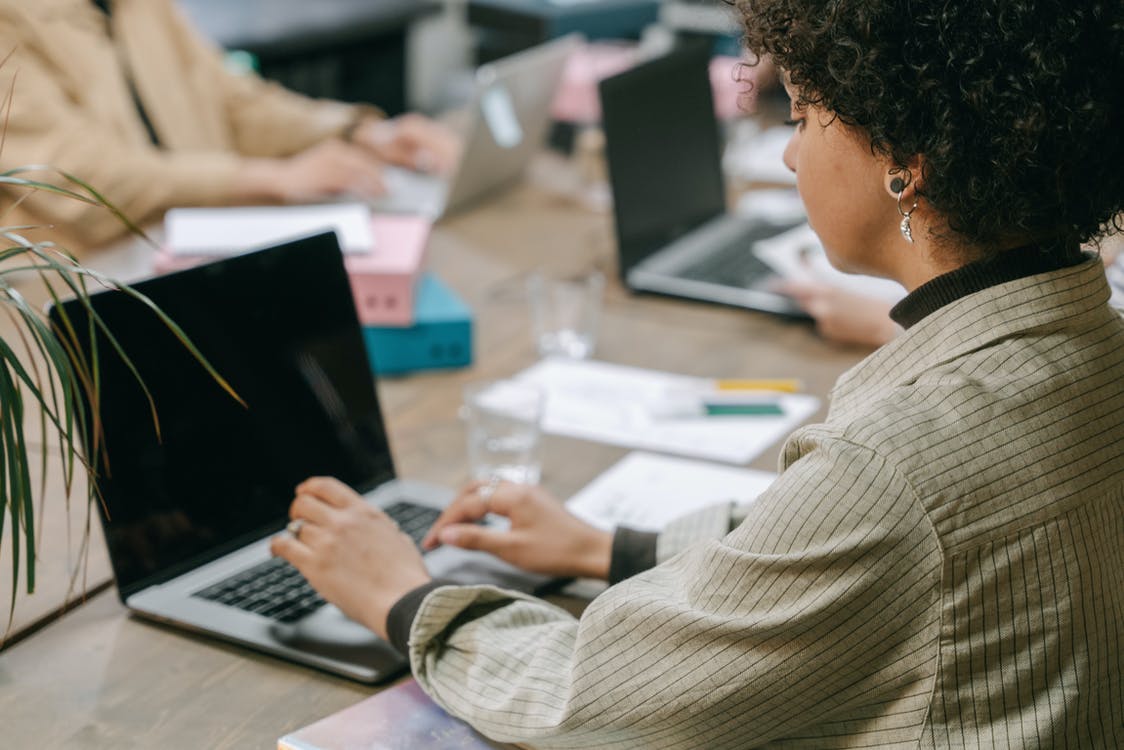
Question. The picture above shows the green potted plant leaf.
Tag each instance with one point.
(42, 370)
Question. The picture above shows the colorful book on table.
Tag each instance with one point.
(399, 718)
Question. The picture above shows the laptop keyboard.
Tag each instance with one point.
(731, 265)
(412, 518)
(277, 590)
(273, 589)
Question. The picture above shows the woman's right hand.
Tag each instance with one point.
(543, 537)
(329, 169)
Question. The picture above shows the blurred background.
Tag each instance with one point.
(418, 54)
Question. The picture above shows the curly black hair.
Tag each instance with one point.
(1016, 106)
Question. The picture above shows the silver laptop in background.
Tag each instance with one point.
(674, 233)
(506, 125)
(188, 516)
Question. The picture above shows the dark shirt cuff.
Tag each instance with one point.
(633, 552)
(401, 616)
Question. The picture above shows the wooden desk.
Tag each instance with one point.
(97, 678)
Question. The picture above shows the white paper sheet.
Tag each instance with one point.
(614, 404)
(227, 231)
(645, 491)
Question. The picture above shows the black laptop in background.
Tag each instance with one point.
(188, 516)
(674, 233)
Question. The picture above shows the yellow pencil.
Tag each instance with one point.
(782, 385)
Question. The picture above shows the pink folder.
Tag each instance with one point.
(383, 282)
(577, 100)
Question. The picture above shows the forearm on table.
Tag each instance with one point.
(264, 118)
(140, 186)
(632, 552)
(641, 666)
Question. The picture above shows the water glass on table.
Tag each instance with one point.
(503, 423)
(565, 313)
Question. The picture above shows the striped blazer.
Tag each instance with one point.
(940, 564)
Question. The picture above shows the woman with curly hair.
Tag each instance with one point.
(941, 562)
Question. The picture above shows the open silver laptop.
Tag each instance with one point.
(506, 125)
(674, 233)
(188, 515)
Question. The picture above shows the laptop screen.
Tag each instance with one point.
(510, 117)
(280, 326)
(663, 151)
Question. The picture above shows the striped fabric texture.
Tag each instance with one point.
(939, 565)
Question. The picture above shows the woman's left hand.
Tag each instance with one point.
(350, 552)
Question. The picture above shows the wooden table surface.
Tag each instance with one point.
(99, 678)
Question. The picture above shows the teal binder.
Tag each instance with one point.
(440, 338)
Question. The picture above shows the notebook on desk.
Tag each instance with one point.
(674, 234)
(507, 124)
(402, 716)
(188, 515)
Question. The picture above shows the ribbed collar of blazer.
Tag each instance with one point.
(1072, 298)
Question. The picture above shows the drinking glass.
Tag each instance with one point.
(503, 422)
(565, 313)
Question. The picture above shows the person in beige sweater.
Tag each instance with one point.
(126, 96)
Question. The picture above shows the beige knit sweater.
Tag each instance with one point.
(71, 108)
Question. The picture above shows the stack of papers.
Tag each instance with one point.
(646, 492)
(228, 231)
(624, 406)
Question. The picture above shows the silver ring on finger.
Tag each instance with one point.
(486, 491)
(294, 527)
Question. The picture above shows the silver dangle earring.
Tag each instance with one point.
(897, 185)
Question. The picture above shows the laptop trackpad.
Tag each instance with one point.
(468, 567)
(331, 634)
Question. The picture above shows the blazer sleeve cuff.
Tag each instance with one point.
(401, 616)
(633, 552)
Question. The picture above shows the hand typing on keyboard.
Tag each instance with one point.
(543, 537)
(352, 553)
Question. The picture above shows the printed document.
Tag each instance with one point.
(622, 405)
